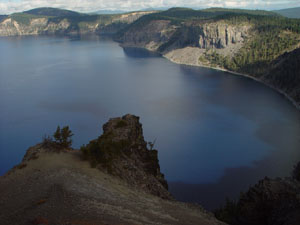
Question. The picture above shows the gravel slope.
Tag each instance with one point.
(60, 188)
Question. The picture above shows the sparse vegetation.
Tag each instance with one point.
(47, 140)
(21, 166)
(103, 150)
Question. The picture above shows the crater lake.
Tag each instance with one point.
(216, 133)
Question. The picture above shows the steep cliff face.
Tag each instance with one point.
(221, 35)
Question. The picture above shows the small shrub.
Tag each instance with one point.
(47, 141)
(104, 150)
(21, 166)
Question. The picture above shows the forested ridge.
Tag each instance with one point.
(264, 38)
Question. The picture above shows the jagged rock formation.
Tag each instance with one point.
(270, 202)
(122, 151)
(55, 186)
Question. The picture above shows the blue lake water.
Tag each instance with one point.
(216, 133)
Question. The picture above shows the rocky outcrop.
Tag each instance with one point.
(122, 151)
(53, 185)
(270, 202)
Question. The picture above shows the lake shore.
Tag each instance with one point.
(166, 56)
(295, 103)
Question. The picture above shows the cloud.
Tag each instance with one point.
(10, 6)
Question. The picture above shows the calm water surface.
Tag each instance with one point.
(216, 133)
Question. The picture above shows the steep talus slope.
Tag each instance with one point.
(56, 186)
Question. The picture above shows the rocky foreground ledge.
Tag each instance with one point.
(119, 183)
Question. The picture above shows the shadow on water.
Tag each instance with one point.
(134, 52)
(271, 127)
(234, 181)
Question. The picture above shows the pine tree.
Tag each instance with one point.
(57, 135)
(63, 136)
(66, 135)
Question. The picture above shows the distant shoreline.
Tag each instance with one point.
(296, 104)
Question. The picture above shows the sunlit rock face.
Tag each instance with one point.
(221, 35)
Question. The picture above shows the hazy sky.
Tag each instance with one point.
(9, 6)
